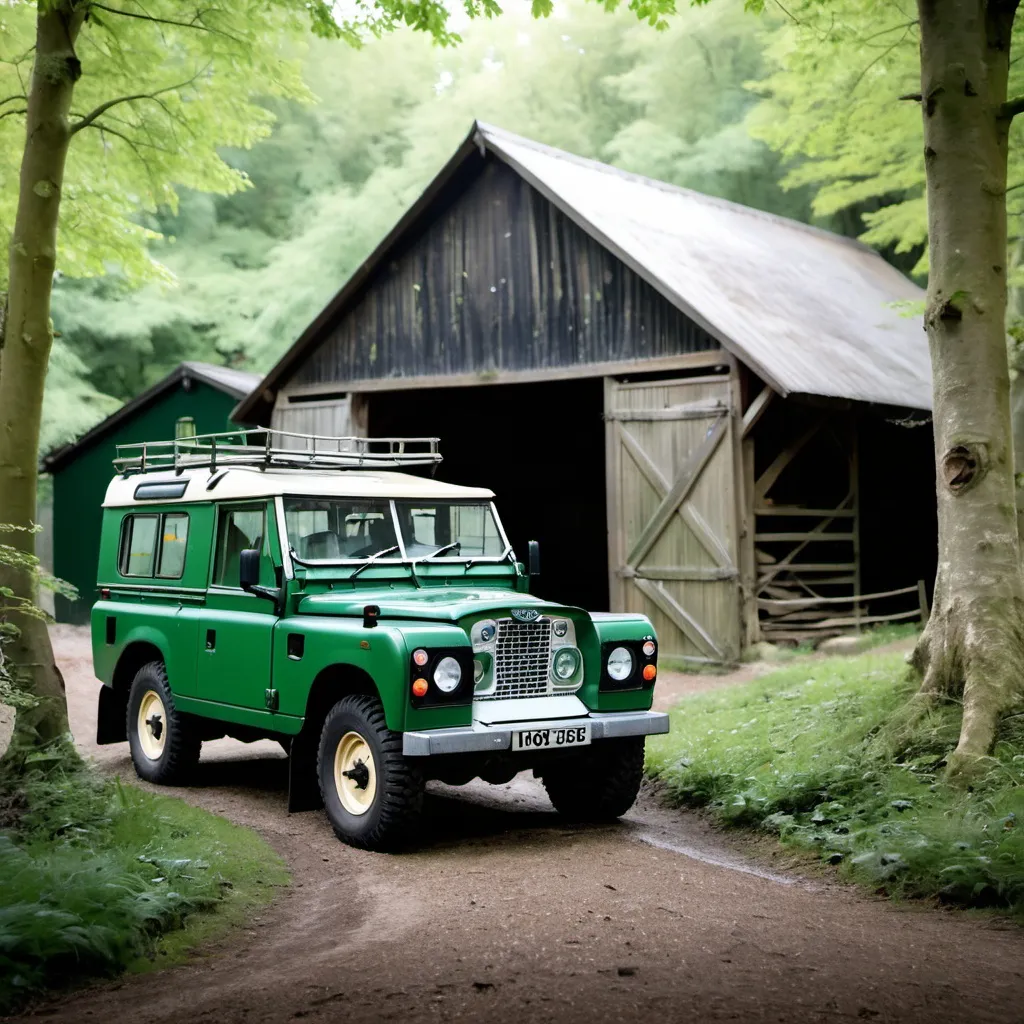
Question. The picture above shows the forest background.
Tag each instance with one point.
(752, 109)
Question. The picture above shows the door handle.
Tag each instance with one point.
(211, 639)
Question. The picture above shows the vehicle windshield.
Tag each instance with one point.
(322, 530)
(428, 526)
(344, 529)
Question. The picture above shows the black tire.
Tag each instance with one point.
(396, 805)
(598, 784)
(178, 735)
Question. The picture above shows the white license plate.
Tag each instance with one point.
(550, 738)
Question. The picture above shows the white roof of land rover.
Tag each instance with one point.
(243, 482)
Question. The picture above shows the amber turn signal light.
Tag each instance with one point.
(420, 687)
(650, 671)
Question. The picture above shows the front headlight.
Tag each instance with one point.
(566, 664)
(620, 664)
(447, 675)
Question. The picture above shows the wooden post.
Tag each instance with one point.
(855, 491)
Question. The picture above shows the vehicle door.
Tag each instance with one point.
(236, 628)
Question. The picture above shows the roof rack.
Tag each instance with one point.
(275, 449)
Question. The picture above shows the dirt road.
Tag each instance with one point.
(506, 915)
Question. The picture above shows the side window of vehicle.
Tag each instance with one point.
(237, 529)
(153, 545)
(138, 545)
(172, 547)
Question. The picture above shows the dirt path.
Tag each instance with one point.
(507, 915)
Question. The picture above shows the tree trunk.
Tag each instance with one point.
(973, 645)
(28, 334)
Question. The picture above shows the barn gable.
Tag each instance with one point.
(501, 280)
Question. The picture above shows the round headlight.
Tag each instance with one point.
(620, 664)
(447, 675)
(560, 627)
(566, 663)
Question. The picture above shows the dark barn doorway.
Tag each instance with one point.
(541, 449)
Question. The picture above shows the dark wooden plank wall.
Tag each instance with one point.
(500, 280)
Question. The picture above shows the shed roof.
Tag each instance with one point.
(810, 311)
(233, 383)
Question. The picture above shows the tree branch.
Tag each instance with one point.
(196, 22)
(8, 113)
(1011, 108)
(134, 143)
(16, 96)
(104, 107)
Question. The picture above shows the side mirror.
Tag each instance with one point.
(533, 558)
(249, 568)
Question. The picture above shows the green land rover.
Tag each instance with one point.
(375, 622)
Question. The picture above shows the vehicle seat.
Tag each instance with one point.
(322, 545)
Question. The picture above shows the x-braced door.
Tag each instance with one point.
(672, 512)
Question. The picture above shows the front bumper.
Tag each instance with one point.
(489, 739)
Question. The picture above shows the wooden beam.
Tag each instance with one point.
(756, 411)
(767, 479)
(808, 567)
(808, 601)
(686, 361)
(807, 536)
(688, 574)
(703, 410)
(796, 510)
(680, 616)
(682, 486)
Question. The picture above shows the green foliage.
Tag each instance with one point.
(252, 268)
(839, 105)
(92, 873)
(12, 557)
(820, 754)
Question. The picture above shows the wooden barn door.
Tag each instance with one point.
(672, 512)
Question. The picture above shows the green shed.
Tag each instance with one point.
(82, 470)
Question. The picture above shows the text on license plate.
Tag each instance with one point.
(546, 739)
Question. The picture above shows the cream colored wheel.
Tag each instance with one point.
(355, 774)
(152, 725)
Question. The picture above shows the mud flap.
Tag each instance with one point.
(111, 712)
(303, 784)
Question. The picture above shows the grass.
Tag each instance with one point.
(97, 878)
(813, 754)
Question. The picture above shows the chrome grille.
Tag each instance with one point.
(522, 657)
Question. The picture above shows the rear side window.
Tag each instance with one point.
(153, 545)
(172, 547)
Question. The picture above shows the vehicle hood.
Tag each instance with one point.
(445, 604)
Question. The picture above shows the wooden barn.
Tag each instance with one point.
(704, 412)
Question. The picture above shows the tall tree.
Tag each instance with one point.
(147, 92)
(974, 641)
(946, 181)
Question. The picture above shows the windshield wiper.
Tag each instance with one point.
(433, 554)
(439, 551)
(373, 558)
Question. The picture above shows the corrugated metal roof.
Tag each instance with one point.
(234, 383)
(810, 311)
